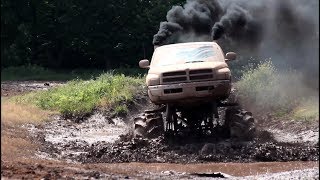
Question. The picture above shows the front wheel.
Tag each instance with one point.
(240, 123)
(149, 125)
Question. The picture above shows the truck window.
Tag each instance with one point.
(185, 54)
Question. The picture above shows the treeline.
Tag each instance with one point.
(79, 34)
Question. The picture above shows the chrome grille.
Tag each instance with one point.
(187, 76)
(173, 77)
(177, 73)
(201, 74)
(200, 71)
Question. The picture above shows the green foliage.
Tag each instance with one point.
(262, 87)
(265, 88)
(74, 34)
(239, 66)
(79, 97)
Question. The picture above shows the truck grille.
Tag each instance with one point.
(187, 76)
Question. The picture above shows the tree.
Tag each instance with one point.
(79, 34)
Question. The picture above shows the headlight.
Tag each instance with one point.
(153, 79)
(223, 73)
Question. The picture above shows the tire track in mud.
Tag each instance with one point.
(99, 140)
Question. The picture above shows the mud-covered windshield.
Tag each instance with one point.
(185, 54)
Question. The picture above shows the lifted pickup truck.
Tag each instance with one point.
(189, 82)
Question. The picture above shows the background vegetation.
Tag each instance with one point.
(73, 34)
(262, 87)
(34, 72)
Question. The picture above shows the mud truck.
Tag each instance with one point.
(189, 82)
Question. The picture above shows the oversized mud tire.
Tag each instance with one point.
(241, 124)
(148, 125)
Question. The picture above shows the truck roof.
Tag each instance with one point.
(213, 43)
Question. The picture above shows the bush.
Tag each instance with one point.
(266, 88)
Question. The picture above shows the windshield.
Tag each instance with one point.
(185, 54)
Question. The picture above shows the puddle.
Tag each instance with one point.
(308, 136)
(69, 139)
(96, 129)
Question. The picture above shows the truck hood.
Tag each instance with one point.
(190, 66)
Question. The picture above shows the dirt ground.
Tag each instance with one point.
(100, 147)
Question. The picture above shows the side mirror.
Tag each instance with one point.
(230, 56)
(144, 64)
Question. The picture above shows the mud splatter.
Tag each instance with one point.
(98, 140)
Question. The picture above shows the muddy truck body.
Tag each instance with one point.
(189, 82)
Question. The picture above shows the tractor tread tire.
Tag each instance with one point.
(241, 124)
(148, 125)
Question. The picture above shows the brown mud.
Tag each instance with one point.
(11, 88)
(101, 146)
(98, 141)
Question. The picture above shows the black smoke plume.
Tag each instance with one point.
(209, 18)
(287, 31)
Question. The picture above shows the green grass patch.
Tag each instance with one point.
(79, 97)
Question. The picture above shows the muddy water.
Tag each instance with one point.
(97, 143)
(65, 138)
(96, 129)
(232, 169)
(97, 140)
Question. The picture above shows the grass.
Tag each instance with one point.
(121, 109)
(33, 72)
(79, 97)
(307, 110)
(16, 114)
(264, 88)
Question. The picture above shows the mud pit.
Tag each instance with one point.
(99, 139)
